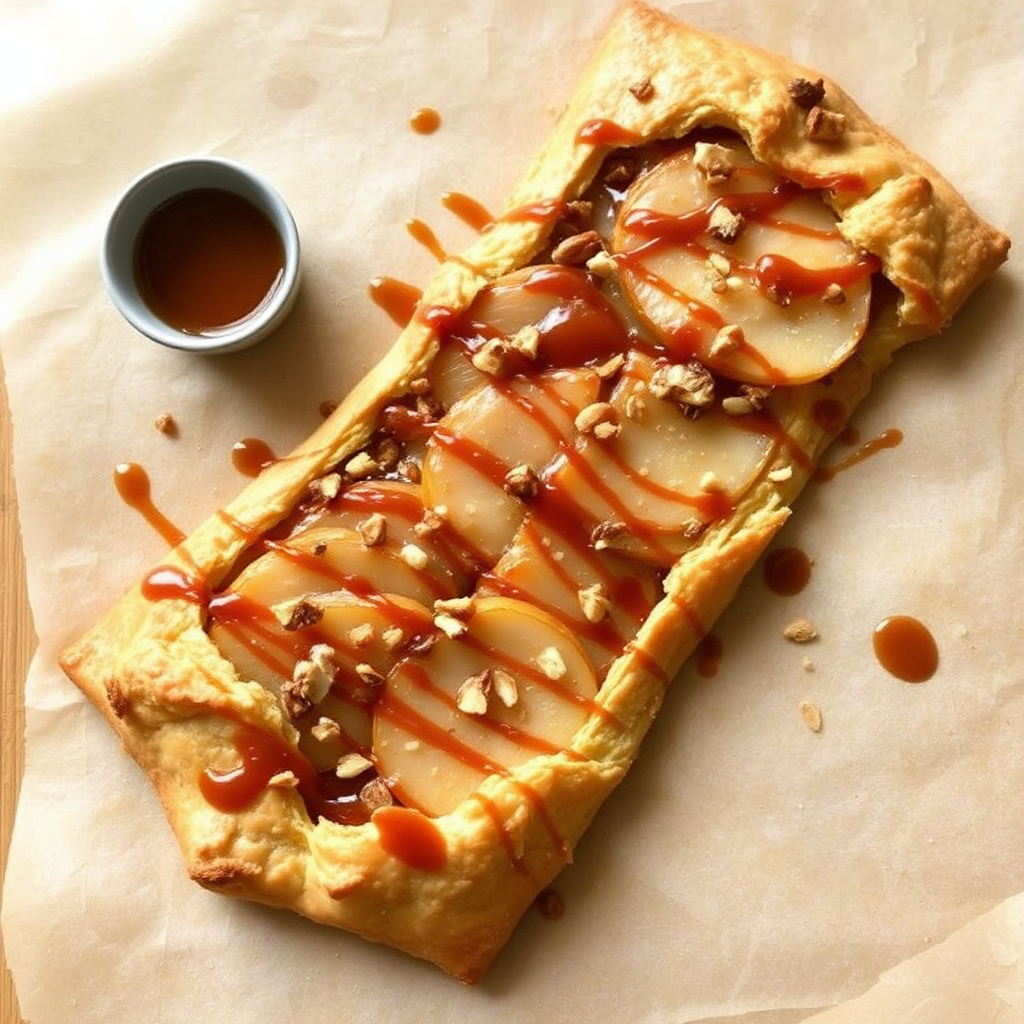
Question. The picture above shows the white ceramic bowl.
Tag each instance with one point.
(157, 186)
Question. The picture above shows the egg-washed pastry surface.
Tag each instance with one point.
(390, 683)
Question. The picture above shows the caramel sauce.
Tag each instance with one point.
(207, 259)
(829, 414)
(787, 571)
(602, 132)
(424, 234)
(411, 837)
(890, 438)
(906, 648)
(396, 298)
(132, 483)
(166, 583)
(708, 656)
(468, 210)
(251, 456)
(425, 121)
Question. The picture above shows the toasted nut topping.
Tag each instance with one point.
(352, 764)
(609, 534)
(420, 386)
(725, 225)
(578, 212)
(393, 637)
(387, 454)
(526, 341)
(283, 780)
(800, 631)
(432, 521)
(824, 125)
(504, 686)
(805, 93)
(756, 394)
(594, 602)
(833, 295)
(635, 404)
(460, 607)
(620, 174)
(736, 405)
(715, 162)
(320, 548)
(375, 794)
(711, 483)
(450, 626)
(166, 424)
(373, 530)
(409, 470)
(686, 384)
(551, 663)
(642, 90)
(361, 635)
(575, 250)
(610, 369)
(299, 614)
(728, 339)
(414, 557)
(522, 482)
(811, 714)
(720, 264)
(360, 466)
(369, 675)
(471, 697)
(781, 474)
(326, 730)
(490, 358)
(599, 419)
(311, 679)
(602, 264)
(325, 488)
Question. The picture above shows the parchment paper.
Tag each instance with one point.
(748, 869)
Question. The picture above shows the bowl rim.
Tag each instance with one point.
(159, 184)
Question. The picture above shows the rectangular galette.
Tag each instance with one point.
(389, 684)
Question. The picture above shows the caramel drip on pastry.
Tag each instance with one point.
(545, 212)
(168, 583)
(602, 132)
(411, 837)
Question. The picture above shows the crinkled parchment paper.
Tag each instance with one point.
(748, 869)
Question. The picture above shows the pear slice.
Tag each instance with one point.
(650, 490)
(570, 320)
(516, 684)
(503, 426)
(600, 598)
(709, 239)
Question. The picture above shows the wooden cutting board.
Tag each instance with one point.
(15, 651)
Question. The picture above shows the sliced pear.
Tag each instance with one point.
(500, 427)
(438, 734)
(573, 321)
(782, 272)
(649, 490)
(600, 598)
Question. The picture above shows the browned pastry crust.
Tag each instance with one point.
(152, 669)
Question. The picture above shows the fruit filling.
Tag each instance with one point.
(447, 602)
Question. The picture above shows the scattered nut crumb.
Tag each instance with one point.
(720, 264)
(611, 368)
(642, 90)
(833, 295)
(361, 635)
(311, 679)
(800, 631)
(460, 607)
(393, 637)
(602, 264)
(166, 424)
(375, 794)
(736, 405)
(320, 548)
(522, 482)
(609, 534)
(715, 162)
(490, 358)
(781, 474)
(409, 470)
(806, 93)
(294, 615)
(689, 385)
(325, 488)
(362, 465)
(373, 530)
(432, 521)
(526, 341)
(594, 602)
(807, 665)
(369, 675)
(728, 339)
(452, 627)
(471, 698)
(283, 780)
(598, 419)
(326, 730)
(414, 557)
(387, 454)
(725, 225)
(504, 686)
(352, 765)
(635, 404)
(551, 663)
(711, 483)
(825, 125)
(811, 714)
(577, 249)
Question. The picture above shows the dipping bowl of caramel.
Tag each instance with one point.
(201, 254)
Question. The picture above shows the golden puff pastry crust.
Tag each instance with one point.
(450, 885)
